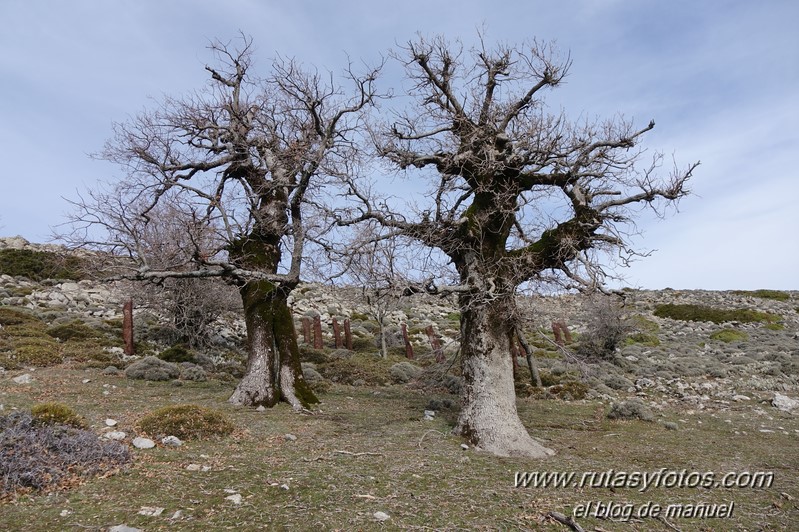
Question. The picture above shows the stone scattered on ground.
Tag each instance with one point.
(116, 435)
(23, 379)
(152, 511)
(784, 403)
(124, 528)
(171, 441)
(235, 498)
(290, 437)
(381, 516)
(143, 443)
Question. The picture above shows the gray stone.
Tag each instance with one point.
(143, 443)
(23, 379)
(171, 441)
(124, 528)
(381, 516)
(116, 435)
(784, 403)
(290, 437)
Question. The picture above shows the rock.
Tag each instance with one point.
(464, 447)
(171, 441)
(784, 403)
(116, 435)
(110, 422)
(65, 513)
(261, 408)
(284, 487)
(193, 467)
(152, 511)
(739, 398)
(124, 528)
(235, 498)
(290, 437)
(177, 515)
(86, 381)
(431, 413)
(143, 443)
(428, 418)
(381, 516)
(23, 379)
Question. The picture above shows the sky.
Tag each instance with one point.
(720, 79)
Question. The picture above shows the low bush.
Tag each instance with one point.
(631, 409)
(193, 373)
(15, 316)
(358, 368)
(176, 354)
(152, 369)
(74, 330)
(39, 456)
(403, 372)
(686, 312)
(776, 295)
(186, 422)
(729, 335)
(40, 265)
(57, 414)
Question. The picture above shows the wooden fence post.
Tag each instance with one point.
(336, 334)
(306, 329)
(127, 327)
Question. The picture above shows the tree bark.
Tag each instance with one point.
(488, 418)
(273, 366)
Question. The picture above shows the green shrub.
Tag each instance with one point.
(57, 414)
(176, 354)
(686, 312)
(359, 316)
(37, 352)
(454, 316)
(729, 335)
(369, 369)
(193, 373)
(569, 391)
(316, 356)
(14, 316)
(645, 339)
(775, 326)
(364, 344)
(40, 265)
(74, 330)
(631, 409)
(404, 371)
(152, 369)
(776, 295)
(186, 422)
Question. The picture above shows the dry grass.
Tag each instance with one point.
(368, 450)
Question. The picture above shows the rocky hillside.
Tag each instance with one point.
(702, 348)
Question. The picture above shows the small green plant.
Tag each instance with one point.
(776, 295)
(57, 414)
(454, 316)
(40, 265)
(152, 369)
(775, 326)
(644, 339)
(686, 312)
(176, 354)
(74, 330)
(631, 409)
(186, 422)
(15, 316)
(360, 316)
(729, 335)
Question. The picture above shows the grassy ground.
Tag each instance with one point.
(369, 451)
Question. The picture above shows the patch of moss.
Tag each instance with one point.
(54, 413)
(687, 312)
(186, 422)
(74, 330)
(729, 335)
(359, 368)
(644, 339)
(775, 326)
(14, 316)
(176, 354)
(631, 409)
(40, 265)
(360, 316)
(777, 295)
(454, 316)
(152, 369)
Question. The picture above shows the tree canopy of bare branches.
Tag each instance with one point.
(236, 159)
(517, 194)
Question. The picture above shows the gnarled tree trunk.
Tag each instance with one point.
(488, 417)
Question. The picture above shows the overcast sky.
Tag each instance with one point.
(720, 78)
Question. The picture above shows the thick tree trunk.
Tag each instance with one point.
(273, 366)
(488, 417)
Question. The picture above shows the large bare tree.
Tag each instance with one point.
(517, 195)
(240, 156)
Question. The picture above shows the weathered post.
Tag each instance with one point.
(127, 327)
(407, 341)
(317, 332)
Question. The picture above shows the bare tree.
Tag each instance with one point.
(240, 158)
(517, 195)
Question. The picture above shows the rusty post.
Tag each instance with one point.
(336, 334)
(317, 332)
(435, 343)
(127, 327)
(347, 335)
(556, 332)
(408, 346)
